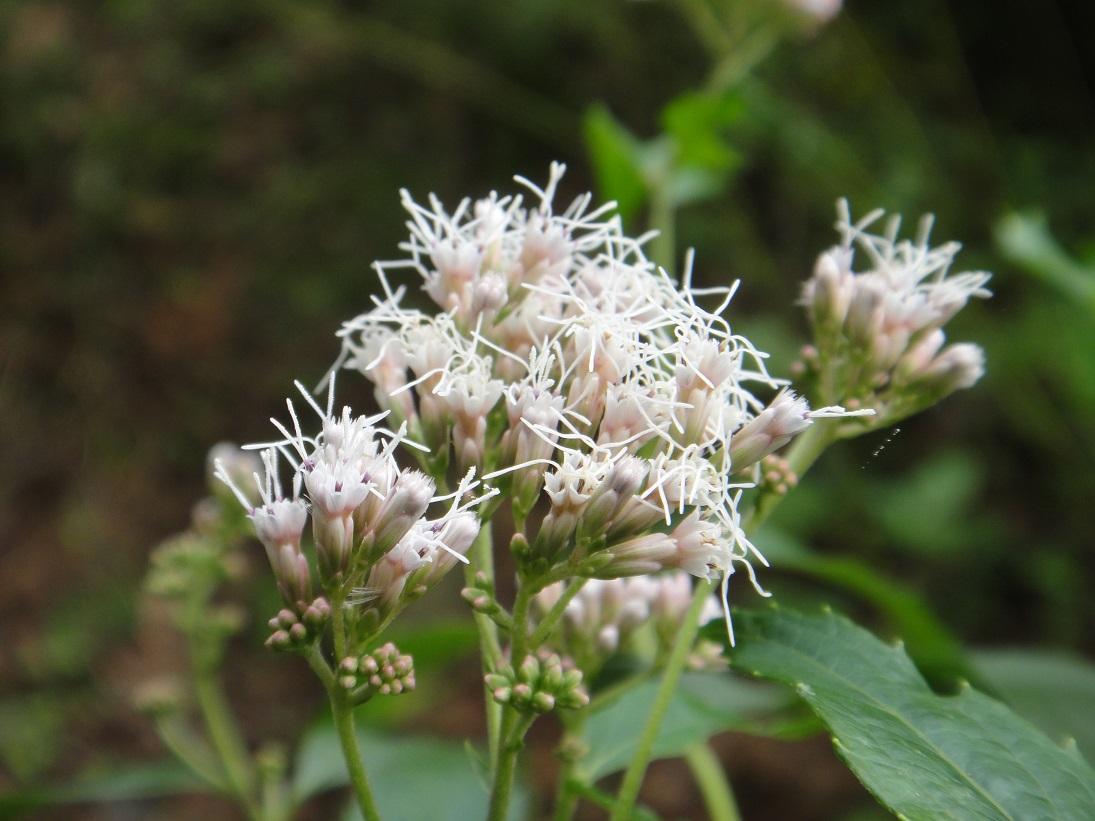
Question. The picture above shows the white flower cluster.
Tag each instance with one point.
(369, 515)
(879, 333)
(564, 366)
(604, 614)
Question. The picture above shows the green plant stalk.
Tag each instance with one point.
(551, 618)
(514, 725)
(708, 772)
(225, 738)
(343, 713)
(481, 558)
(566, 798)
(220, 726)
(191, 751)
(678, 656)
(663, 246)
(513, 738)
(342, 710)
(803, 453)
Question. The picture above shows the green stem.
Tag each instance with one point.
(711, 778)
(803, 453)
(514, 727)
(481, 558)
(678, 656)
(191, 750)
(343, 713)
(551, 618)
(572, 748)
(663, 246)
(224, 735)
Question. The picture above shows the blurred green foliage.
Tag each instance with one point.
(193, 192)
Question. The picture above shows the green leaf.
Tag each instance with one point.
(698, 123)
(616, 155)
(704, 704)
(412, 777)
(932, 646)
(922, 755)
(1052, 690)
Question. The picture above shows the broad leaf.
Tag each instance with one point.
(412, 777)
(922, 755)
(705, 704)
(1053, 690)
(934, 649)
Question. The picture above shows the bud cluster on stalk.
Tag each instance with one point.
(291, 631)
(539, 684)
(385, 671)
(878, 332)
(378, 542)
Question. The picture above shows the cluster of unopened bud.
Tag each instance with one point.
(384, 671)
(293, 632)
(776, 475)
(480, 596)
(540, 684)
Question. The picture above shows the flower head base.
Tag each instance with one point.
(878, 338)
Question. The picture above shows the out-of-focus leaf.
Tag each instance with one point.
(698, 122)
(412, 777)
(924, 756)
(616, 156)
(932, 646)
(1055, 691)
(124, 783)
(705, 704)
(1025, 240)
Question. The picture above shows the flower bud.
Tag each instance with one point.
(406, 502)
(770, 430)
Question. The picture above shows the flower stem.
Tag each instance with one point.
(343, 713)
(514, 727)
(571, 750)
(482, 561)
(514, 724)
(224, 735)
(803, 453)
(551, 618)
(678, 656)
(711, 778)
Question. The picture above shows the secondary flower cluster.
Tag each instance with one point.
(609, 407)
(372, 533)
(878, 333)
(605, 614)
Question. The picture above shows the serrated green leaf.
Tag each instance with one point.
(935, 650)
(412, 777)
(1052, 690)
(924, 756)
(705, 704)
